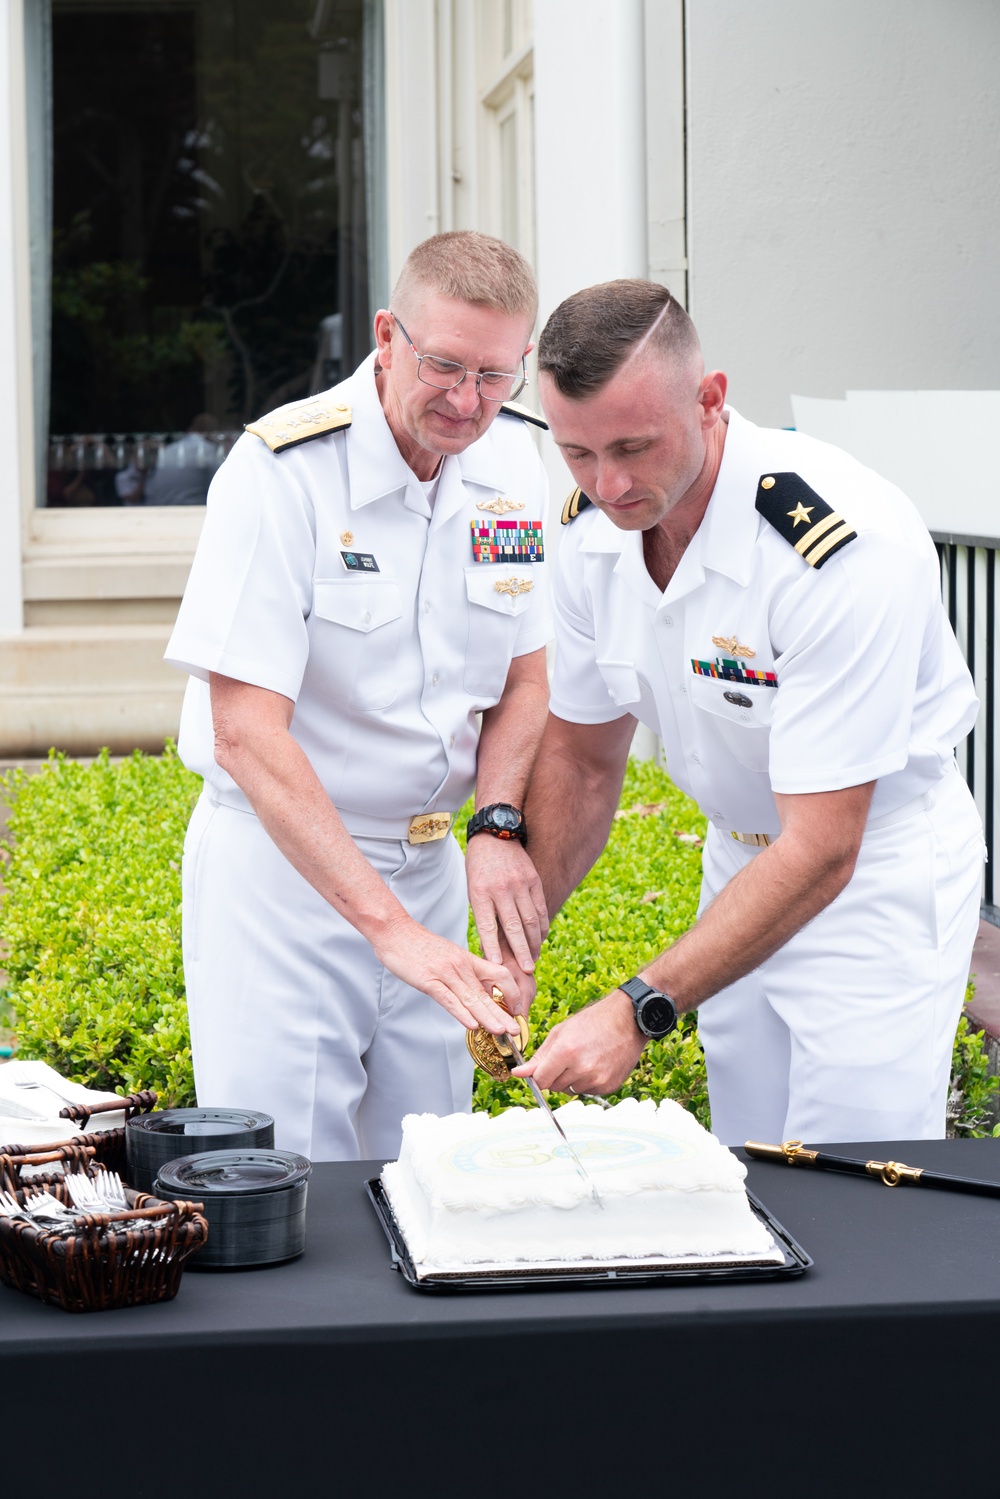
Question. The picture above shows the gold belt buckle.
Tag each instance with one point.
(755, 840)
(428, 827)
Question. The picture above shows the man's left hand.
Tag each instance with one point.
(506, 896)
(592, 1052)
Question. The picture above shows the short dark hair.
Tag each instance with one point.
(590, 335)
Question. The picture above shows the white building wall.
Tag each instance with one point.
(843, 204)
(590, 157)
(590, 144)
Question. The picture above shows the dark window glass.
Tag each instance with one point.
(208, 246)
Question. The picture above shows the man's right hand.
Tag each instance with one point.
(459, 981)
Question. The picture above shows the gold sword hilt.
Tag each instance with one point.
(492, 1054)
(790, 1151)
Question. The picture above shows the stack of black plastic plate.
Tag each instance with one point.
(254, 1200)
(153, 1139)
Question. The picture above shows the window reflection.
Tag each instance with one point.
(208, 236)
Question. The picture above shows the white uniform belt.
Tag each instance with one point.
(885, 820)
(424, 827)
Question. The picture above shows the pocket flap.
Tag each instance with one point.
(359, 603)
(499, 586)
(622, 681)
(737, 702)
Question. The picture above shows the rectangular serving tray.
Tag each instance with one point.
(794, 1262)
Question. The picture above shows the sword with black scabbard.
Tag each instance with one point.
(891, 1173)
(493, 1052)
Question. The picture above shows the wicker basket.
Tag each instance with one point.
(71, 1155)
(103, 1265)
(108, 1144)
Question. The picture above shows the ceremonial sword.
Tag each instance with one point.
(514, 1057)
(892, 1173)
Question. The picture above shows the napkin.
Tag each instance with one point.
(31, 1095)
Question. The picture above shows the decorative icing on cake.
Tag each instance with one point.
(469, 1189)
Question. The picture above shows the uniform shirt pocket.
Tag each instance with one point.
(497, 594)
(739, 714)
(356, 631)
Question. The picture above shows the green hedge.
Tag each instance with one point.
(641, 895)
(91, 920)
(91, 928)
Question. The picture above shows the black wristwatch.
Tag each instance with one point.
(500, 819)
(654, 1011)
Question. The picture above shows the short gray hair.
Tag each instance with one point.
(592, 333)
(471, 267)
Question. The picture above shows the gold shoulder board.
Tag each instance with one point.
(803, 517)
(514, 408)
(300, 422)
(577, 501)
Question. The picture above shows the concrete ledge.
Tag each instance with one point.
(85, 687)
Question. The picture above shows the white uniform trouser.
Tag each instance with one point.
(846, 1033)
(291, 1012)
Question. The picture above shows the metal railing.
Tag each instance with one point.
(969, 590)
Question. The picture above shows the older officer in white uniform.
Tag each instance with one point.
(772, 609)
(370, 577)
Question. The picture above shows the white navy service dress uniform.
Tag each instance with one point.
(801, 646)
(329, 573)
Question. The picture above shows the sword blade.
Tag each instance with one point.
(543, 1103)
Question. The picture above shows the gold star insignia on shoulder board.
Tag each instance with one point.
(822, 536)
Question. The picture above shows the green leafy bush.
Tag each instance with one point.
(91, 927)
(91, 920)
(639, 897)
(972, 1101)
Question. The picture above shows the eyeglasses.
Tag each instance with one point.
(446, 374)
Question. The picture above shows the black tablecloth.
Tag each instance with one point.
(872, 1374)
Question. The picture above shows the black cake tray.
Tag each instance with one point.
(795, 1261)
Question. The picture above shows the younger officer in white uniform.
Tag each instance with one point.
(772, 609)
(369, 578)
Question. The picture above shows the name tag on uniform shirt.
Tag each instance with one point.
(507, 541)
(360, 562)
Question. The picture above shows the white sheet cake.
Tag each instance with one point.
(469, 1190)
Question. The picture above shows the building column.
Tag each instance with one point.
(411, 127)
(16, 445)
(590, 144)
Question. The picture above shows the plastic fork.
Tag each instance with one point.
(10, 1207)
(103, 1193)
(41, 1209)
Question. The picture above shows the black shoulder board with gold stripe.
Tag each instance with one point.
(300, 422)
(577, 501)
(514, 408)
(802, 517)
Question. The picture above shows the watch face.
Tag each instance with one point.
(657, 1013)
(504, 817)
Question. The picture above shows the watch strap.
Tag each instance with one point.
(483, 822)
(638, 992)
